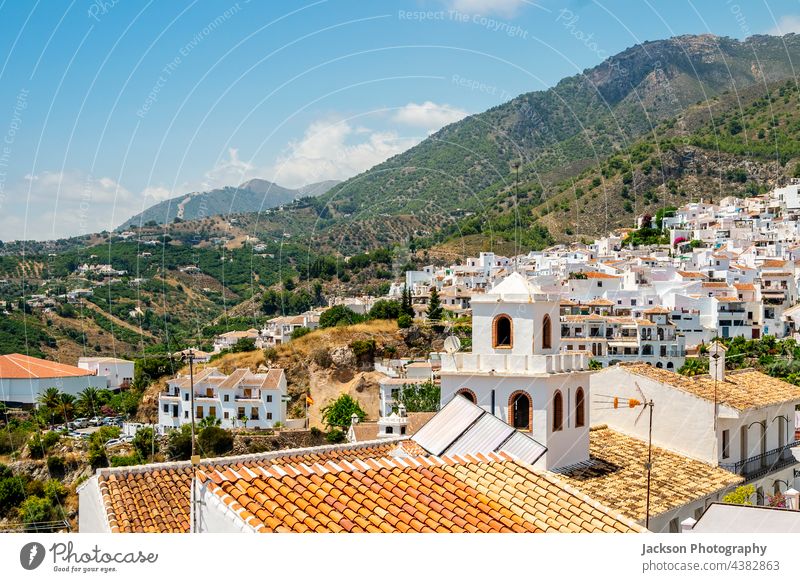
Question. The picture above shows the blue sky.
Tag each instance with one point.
(108, 106)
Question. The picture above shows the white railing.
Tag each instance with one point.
(514, 363)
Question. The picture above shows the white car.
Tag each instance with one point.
(114, 443)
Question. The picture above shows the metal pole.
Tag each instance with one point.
(649, 463)
(191, 392)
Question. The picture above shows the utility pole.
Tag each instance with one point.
(195, 459)
(649, 463)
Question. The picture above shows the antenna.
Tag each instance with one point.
(616, 403)
(452, 344)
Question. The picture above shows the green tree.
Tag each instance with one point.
(88, 402)
(50, 398)
(214, 440)
(385, 309)
(245, 344)
(339, 413)
(404, 321)
(39, 514)
(144, 442)
(435, 309)
(179, 443)
(422, 397)
(595, 365)
(406, 302)
(339, 315)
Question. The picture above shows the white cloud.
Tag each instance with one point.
(786, 24)
(506, 8)
(65, 204)
(335, 150)
(154, 194)
(230, 172)
(429, 115)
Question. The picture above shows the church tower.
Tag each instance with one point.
(517, 372)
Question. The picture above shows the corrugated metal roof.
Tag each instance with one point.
(523, 447)
(443, 429)
(461, 427)
(488, 433)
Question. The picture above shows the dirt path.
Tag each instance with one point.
(117, 321)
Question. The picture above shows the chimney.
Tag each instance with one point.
(792, 496)
(716, 361)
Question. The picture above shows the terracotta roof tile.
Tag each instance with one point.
(741, 389)
(615, 478)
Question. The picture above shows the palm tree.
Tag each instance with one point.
(88, 401)
(67, 406)
(50, 398)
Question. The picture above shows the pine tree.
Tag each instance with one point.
(405, 303)
(435, 310)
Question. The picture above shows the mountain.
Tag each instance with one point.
(554, 134)
(255, 195)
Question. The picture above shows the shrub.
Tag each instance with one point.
(339, 315)
(741, 495)
(215, 440)
(179, 443)
(12, 440)
(385, 309)
(322, 358)
(300, 332)
(270, 354)
(97, 455)
(404, 321)
(55, 465)
(335, 436)
(35, 511)
(12, 489)
(40, 444)
(126, 460)
(55, 491)
(144, 442)
(315, 432)
(245, 344)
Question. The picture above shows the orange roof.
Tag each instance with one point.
(773, 263)
(156, 498)
(19, 366)
(598, 275)
(694, 274)
(482, 493)
(745, 286)
(714, 285)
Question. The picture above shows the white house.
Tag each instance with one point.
(23, 379)
(237, 400)
(118, 372)
(741, 420)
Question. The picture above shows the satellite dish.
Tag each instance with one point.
(452, 344)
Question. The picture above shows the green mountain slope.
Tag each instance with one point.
(554, 134)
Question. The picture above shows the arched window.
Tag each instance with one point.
(547, 342)
(670, 365)
(502, 332)
(558, 411)
(659, 365)
(468, 394)
(520, 410)
(580, 408)
(647, 350)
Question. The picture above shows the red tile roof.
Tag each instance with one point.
(19, 366)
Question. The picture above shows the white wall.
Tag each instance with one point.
(91, 511)
(682, 422)
(26, 391)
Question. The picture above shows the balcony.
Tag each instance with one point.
(509, 364)
(763, 464)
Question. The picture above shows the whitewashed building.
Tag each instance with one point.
(117, 371)
(517, 372)
(240, 399)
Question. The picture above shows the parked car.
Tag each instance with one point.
(95, 421)
(113, 443)
(108, 421)
(81, 422)
(74, 435)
